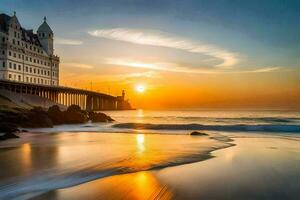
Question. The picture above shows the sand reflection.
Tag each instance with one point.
(140, 139)
(26, 156)
(135, 186)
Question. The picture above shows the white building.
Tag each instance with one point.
(26, 56)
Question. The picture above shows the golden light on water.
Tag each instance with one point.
(140, 139)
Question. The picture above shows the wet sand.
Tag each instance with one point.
(258, 167)
(39, 163)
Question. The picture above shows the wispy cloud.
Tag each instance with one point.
(265, 69)
(78, 65)
(174, 67)
(65, 41)
(155, 38)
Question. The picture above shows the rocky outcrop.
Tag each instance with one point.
(56, 115)
(36, 118)
(11, 120)
(197, 133)
(8, 130)
(99, 117)
(74, 115)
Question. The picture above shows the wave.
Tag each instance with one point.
(229, 128)
(227, 119)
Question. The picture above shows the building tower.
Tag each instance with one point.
(45, 35)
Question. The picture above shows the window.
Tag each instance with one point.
(30, 70)
(19, 77)
(3, 52)
(15, 66)
(9, 53)
(42, 81)
(34, 80)
(30, 79)
(15, 55)
(26, 69)
(20, 56)
(19, 67)
(13, 41)
(26, 58)
(18, 42)
(3, 39)
(34, 70)
(9, 76)
(27, 79)
(10, 65)
(38, 71)
(3, 64)
(34, 60)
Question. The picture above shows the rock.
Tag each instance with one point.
(56, 115)
(74, 115)
(99, 117)
(10, 116)
(8, 136)
(6, 127)
(197, 133)
(36, 118)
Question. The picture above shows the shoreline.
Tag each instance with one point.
(218, 178)
(119, 153)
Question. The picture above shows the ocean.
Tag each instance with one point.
(49, 159)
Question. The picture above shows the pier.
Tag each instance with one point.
(87, 100)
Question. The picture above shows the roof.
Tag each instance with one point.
(27, 35)
(44, 27)
(4, 20)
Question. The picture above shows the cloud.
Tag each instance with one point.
(266, 69)
(174, 67)
(155, 38)
(78, 65)
(65, 41)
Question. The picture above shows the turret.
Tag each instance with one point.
(123, 95)
(45, 35)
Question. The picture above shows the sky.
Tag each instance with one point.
(186, 54)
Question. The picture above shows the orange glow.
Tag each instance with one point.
(184, 90)
(140, 88)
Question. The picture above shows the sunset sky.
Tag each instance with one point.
(186, 54)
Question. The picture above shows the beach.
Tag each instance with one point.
(256, 168)
(104, 161)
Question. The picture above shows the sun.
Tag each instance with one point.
(140, 88)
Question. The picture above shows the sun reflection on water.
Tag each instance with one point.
(26, 155)
(140, 142)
